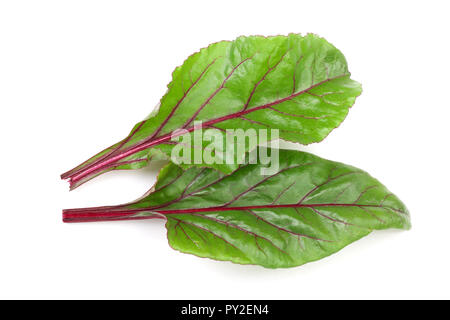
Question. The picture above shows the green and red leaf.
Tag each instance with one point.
(308, 209)
(297, 84)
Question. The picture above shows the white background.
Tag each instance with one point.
(76, 75)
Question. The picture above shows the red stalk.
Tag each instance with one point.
(115, 213)
(96, 214)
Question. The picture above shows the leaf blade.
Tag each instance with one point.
(308, 209)
(298, 85)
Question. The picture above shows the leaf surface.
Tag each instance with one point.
(298, 85)
(308, 209)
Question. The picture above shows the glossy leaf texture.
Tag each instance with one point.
(297, 84)
(308, 209)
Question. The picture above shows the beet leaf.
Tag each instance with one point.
(297, 84)
(308, 209)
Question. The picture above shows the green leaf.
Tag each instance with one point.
(298, 85)
(308, 209)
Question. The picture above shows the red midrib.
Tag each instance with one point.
(167, 137)
(94, 214)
